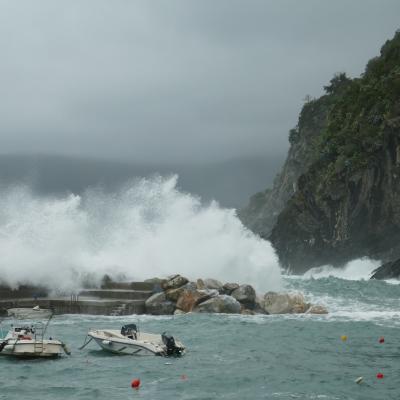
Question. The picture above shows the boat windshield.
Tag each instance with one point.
(128, 329)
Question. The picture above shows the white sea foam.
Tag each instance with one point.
(146, 229)
(354, 270)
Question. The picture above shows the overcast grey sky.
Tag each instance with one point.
(176, 80)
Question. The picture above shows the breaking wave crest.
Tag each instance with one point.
(354, 270)
(148, 228)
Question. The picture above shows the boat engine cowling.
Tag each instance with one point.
(171, 348)
(2, 345)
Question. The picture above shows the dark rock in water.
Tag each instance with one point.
(246, 295)
(390, 270)
(220, 304)
(159, 305)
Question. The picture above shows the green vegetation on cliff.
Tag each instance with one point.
(338, 195)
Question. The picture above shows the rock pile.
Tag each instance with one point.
(176, 295)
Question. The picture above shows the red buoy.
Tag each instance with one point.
(381, 339)
(135, 383)
(183, 377)
(379, 375)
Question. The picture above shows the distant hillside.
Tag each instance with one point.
(338, 195)
(230, 182)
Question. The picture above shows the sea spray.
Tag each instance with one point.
(148, 228)
(357, 269)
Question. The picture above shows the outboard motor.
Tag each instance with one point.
(172, 348)
(2, 345)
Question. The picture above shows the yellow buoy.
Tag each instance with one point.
(343, 337)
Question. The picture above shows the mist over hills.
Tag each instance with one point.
(229, 182)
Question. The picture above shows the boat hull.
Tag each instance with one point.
(122, 347)
(29, 313)
(30, 349)
(137, 343)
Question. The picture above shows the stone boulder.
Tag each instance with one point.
(284, 303)
(200, 284)
(174, 282)
(246, 295)
(191, 296)
(259, 305)
(213, 284)
(229, 288)
(317, 309)
(173, 294)
(158, 304)
(220, 304)
(390, 270)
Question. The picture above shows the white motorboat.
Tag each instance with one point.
(28, 341)
(130, 341)
(36, 313)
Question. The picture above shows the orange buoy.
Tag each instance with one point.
(381, 339)
(135, 383)
(379, 375)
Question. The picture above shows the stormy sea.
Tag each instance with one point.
(150, 228)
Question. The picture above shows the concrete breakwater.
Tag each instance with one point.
(113, 299)
(172, 295)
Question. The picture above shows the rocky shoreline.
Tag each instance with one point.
(170, 296)
(177, 295)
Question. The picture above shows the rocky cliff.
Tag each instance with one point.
(264, 207)
(338, 195)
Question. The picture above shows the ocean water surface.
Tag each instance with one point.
(233, 356)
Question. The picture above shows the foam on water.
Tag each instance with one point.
(349, 294)
(354, 270)
(148, 228)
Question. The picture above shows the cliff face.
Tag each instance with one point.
(338, 196)
(331, 222)
(264, 207)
